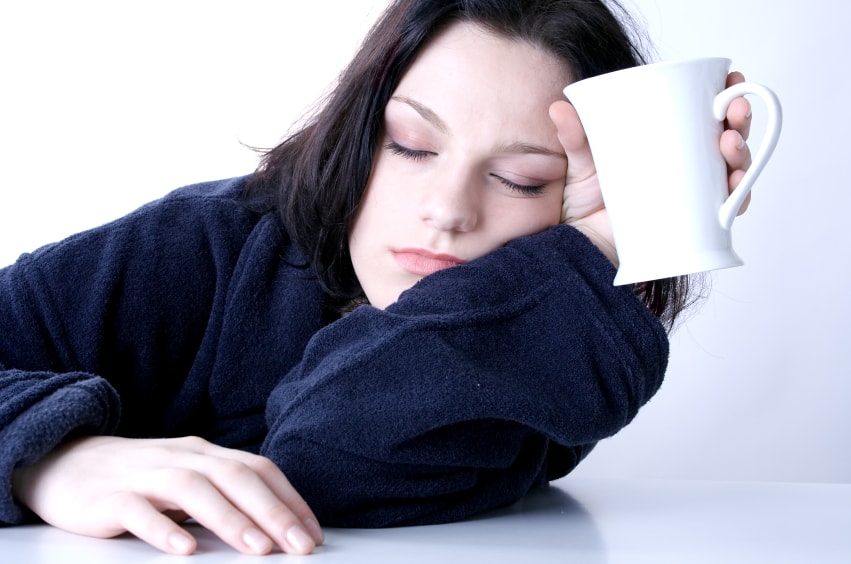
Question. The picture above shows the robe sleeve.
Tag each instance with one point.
(97, 331)
(480, 383)
(40, 409)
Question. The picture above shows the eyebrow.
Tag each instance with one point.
(528, 149)
(518, 148)
(426, 113)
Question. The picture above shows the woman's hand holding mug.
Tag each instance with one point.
(688, 125)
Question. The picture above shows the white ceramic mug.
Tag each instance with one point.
(654, 132)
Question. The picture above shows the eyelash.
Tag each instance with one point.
(414, 155)
(397, 149)
(529, 190)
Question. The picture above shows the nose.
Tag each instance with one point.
(451, 204)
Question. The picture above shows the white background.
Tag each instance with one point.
(104, 107)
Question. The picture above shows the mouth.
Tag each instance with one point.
(423, 262)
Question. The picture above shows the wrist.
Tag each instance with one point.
(600, 241)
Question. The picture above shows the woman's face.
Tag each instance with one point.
(468, 160)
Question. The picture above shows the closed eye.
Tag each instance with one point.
(526, 189)
(419, 155)
(414, 155)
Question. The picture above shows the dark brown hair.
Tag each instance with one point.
(316, 177)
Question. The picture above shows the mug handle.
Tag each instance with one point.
(734, 201)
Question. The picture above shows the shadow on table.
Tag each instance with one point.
(549, 517)
(547, 525)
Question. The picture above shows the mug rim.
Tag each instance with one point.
(651, 66)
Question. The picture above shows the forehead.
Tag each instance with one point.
(474, 48)
(468, 69)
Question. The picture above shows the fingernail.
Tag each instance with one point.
(181, 543)
(256, 541)
(741, 144)
(300, 540)
(315, 530)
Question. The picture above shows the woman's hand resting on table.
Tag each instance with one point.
(583, 205)
(105, 486)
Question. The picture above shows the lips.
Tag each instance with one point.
(423, 262)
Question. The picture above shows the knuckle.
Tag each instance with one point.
(278, 519)
(192, 442)
(230, 521)
(157, 451)
(234, 471)
(282, 515)
(263, 466)
(181, 479)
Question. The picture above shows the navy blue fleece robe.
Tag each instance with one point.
(195, 316)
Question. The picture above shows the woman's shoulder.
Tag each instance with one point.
(202, 210)
(223, 195)
(197, 218)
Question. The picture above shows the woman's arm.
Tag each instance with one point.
(112, 321)
(481, 382)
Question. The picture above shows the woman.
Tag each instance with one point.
(305, 323)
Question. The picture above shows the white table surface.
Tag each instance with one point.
(575, 521)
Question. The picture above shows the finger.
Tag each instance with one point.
(739, 112)
(734, 77)
(283, 490)
(259, 489)
(734, 179)
(734, 139)
(735, 151)
(229, 498)
(738, 116)
(193, 493)
(582, 194)
(138, 517)
(738, 157)
(271, 492)
(572, 137)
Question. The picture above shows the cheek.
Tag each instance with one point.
(369, 206)
(379, 211)
(548, 211)
(530, 216)
(364, 234)
(385, 194)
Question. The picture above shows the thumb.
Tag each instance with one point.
(571, 135)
